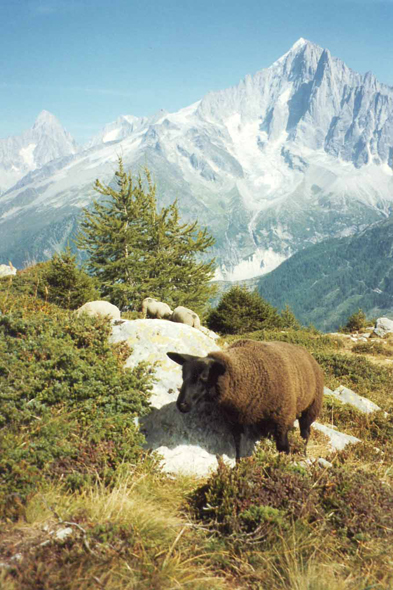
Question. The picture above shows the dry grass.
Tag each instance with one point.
(131, 536)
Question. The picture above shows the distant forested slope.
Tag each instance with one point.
(327, 282)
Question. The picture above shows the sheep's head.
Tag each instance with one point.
(200, 376)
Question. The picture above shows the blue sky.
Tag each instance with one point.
(89, 61)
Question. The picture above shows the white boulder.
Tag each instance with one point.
(383, 327)
(6, 270)
(100, 308)
(347, 396)
(337, 440)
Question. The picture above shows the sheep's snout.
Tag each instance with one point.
(183, 407)
(190, 395)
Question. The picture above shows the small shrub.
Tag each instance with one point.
(288, 319)
(65, 284)
(26, 284)
(373, 347)
(240, 311)
(356, 322)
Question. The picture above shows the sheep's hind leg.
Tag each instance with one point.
(305, 422)
(237, 430)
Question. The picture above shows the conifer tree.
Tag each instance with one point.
(288, 319)
(136, 250)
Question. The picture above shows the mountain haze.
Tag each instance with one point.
(299, 152)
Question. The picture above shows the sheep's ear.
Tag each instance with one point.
(216, 369)
(180, 359)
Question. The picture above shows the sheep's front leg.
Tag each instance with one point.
(237, 431)
(281, 438)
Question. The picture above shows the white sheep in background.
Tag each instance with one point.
(155, 309)
(183, 315)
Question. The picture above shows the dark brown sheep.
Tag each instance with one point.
(266, 384)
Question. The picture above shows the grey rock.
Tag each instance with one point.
(337, 440)
(383, 327)
(62, 534)
(347, 396)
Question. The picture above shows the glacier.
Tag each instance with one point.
(299, 152)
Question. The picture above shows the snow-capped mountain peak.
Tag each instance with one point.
(46, 119)
(44, 142)
(298, 152)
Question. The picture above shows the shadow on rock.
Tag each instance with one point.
(203, 427)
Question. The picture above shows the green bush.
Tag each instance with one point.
(67, 404)
(240, 311)
(26, 282)
(57, 281)
(356, 322)
(67, 285)
(374, 347)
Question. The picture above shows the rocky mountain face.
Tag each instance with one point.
(328, 282)
(44, 142)
(299, 152)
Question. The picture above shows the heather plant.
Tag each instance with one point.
(256, 496)
(265, 496)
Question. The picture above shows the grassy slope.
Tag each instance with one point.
(138, 528)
